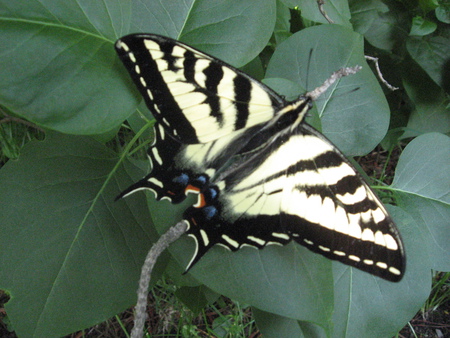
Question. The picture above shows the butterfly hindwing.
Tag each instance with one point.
(300, 187)
(178, 168)
(330, 209)
(165, 180)
(262, 174)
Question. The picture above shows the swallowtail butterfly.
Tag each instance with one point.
(263, 176)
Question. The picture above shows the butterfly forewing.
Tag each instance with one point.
(206, 98)
(263, 175)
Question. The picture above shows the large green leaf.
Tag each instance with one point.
(230, 30)
(382, 27)
(423, 184)
(59, 69)
(364, 303)
(354, 113)
(70, 256)
(443, 12)
(365, 14)
(245, 36)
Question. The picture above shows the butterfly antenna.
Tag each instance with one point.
(308, 65)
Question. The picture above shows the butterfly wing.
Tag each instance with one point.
(195, 97)
(300, 187)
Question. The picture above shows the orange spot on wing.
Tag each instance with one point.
(191, 188)
(201, 201)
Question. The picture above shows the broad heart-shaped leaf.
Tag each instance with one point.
(70, 256)
(443, 12)
(365, 13)
(378, 308)
(383, 27)
(363, 303)
(226, 29)
(422, 27)
(432, 54)
(354, 112)
(336, 10)
(422, 182)
(59, 68)
(431, 111)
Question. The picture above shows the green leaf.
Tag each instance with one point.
(443, 12)
(355, 120)
(254, 68)
(364, 14)
(432, 54)
(70, 257)
(8, 144)
(160, 17)
(422, 183)
(431, 110)
(282, 25)
(336, 10)
(427, 5)
(227, 29)
(391, 304)
(422, 167)
(421, 26)
(196, 298)
(245, 37)
(382, 28)
(273, 326)
(57, 61)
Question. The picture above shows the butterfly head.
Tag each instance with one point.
(295, 112)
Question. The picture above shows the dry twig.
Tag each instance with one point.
(163, 242)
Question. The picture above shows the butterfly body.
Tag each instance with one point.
(263, 175)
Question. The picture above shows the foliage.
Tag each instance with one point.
(70, 256)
